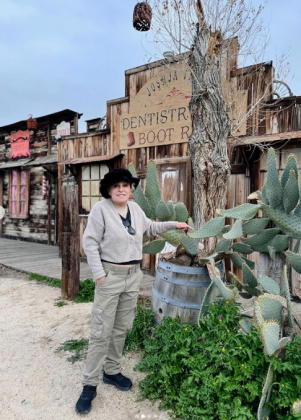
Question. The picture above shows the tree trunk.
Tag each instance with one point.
(210, 126)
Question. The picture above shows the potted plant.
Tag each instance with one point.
(182, 277)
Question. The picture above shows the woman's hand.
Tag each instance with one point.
(101, 280)
(183, 226)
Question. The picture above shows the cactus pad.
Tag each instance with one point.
(181, 212)
(269, 285)
(206, 301)
(154, 247)
(191, 245)
(288, 223)
(215, 276)
(269, 333)
(223, 246)
(171, 208)
(242, 248)
(294, 260)
(237, 260)
(274, 191)
(237, 283)
(152, 189)
(235, 232)
(243, 212)
(248, 276)
(212, 228)
(173, 236)
(255, 226)
(271, 308)
(190, 223)
(279, 243)
(250, 263)
(262, 238)
(162, 212)
(291, 193)
(291, 164)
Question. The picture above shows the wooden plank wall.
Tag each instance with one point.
(35, 228)
(257, 81)
(283, 118)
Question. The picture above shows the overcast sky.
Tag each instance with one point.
(57, 54)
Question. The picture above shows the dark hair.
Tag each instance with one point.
(115, 176)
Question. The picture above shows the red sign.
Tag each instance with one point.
(19, 143)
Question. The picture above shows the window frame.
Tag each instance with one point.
(18, 216)
(99, 197)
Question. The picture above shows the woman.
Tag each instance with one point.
(113, 245)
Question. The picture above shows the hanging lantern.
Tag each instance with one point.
(32, 123)
(142, 16)
(44, 185)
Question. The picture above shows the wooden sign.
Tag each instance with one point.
(63, 129)
(158, 113)
(19, 144)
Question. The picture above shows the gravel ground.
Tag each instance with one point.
(37, 383)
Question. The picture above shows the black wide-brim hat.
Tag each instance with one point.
(115, 176)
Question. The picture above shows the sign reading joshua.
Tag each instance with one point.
(159, 113)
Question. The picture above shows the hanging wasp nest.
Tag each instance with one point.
(142, 16)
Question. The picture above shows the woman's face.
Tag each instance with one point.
(120, 193)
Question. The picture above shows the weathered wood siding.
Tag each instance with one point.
(40, 226)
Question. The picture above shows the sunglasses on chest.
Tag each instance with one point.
(127, 223)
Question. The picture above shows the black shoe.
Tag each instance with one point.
(83, 404)
(120, 381)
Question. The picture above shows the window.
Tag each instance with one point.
(91, 176)
(19, 194)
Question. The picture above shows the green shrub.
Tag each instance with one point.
(86, 291)
(142, 329)
(215, 372)
(78, 347)
(51, 281)
(86, 287)
(60, 303)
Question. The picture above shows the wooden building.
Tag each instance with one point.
(152, 121)
(29, 176)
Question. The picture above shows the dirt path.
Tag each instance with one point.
(36, 382)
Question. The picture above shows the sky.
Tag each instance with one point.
(58, 54)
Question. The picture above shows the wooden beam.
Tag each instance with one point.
(70, 241)
(49, 138)
(118, 101)
(268, 138)
(76, 124)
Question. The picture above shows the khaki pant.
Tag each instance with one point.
(112, 314)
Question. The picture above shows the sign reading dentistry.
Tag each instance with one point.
(158, 113)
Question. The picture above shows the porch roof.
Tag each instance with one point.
(90, 159)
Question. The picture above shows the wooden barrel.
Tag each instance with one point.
(179, 291)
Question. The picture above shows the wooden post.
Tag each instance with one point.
(70, 240)
(49, 139)
(49, 194)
